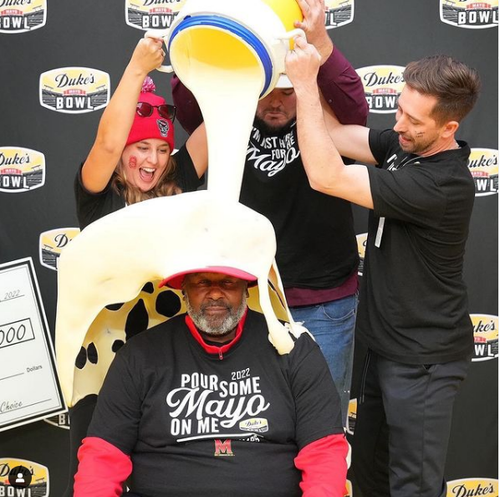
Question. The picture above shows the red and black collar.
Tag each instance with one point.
(214, 349)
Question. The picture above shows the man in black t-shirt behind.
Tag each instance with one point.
(413, 313)
(204, 405)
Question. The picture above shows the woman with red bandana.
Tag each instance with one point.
(131, 159)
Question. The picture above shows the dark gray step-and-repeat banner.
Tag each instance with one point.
(61, 60)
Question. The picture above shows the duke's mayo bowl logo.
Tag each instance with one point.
(352, 409)
(483, 165)
(383, 85)
(470, 14)
(472, 486)
(338, 13)
(19, 16)
(61, 421)
(259, 425)
(361, 239)
(21, 169)
(52, 243)
(485, 337)
(74, 90)
(152, 14)
(22, 478)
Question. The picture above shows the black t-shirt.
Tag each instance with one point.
(317, 245)
(196, 424)
(413, 300)
(93, 206)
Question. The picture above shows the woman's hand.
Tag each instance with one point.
(148, 55)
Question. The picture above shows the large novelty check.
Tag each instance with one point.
(29, 387)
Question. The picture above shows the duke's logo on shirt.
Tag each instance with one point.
(52, 243)
(383, 85)
(152, 14)
(362, 239)
(483, 165)
(469, 14)
(351, 416)
(74, 90)
(21, 169)
(485, 337)
(472, 486)
(23, 478)
(20, 17)
(338, 13)
(223, 448)
(259, 425)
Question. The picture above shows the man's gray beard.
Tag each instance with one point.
(213, 326)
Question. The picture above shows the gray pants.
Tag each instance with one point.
(403, 426)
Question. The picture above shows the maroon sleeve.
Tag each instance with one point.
(324, 467)
(343, 90)
(339, 83)
(188, 111)
(102, 470)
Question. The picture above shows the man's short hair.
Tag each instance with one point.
(455, 85)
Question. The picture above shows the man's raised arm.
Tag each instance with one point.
(322, 139)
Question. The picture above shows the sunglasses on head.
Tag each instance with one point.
(144, 109)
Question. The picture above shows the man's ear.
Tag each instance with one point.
(449, 129)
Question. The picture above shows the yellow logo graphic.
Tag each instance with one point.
(258, 425)
(383, 85)
(472, 486)
(21, 169)
(52, 243)
(152, 14)
(338, 13)
(22, 478)
(470, 14)
(362, 240)
(74, 90)
(485, 337)
(19, 17)
(483, 165)
(351, 416)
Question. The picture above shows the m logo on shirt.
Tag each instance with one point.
(223, 448)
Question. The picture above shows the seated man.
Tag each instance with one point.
(204, 405)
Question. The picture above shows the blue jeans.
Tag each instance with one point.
(332, 325)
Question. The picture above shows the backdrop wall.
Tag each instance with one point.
(60, 62)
